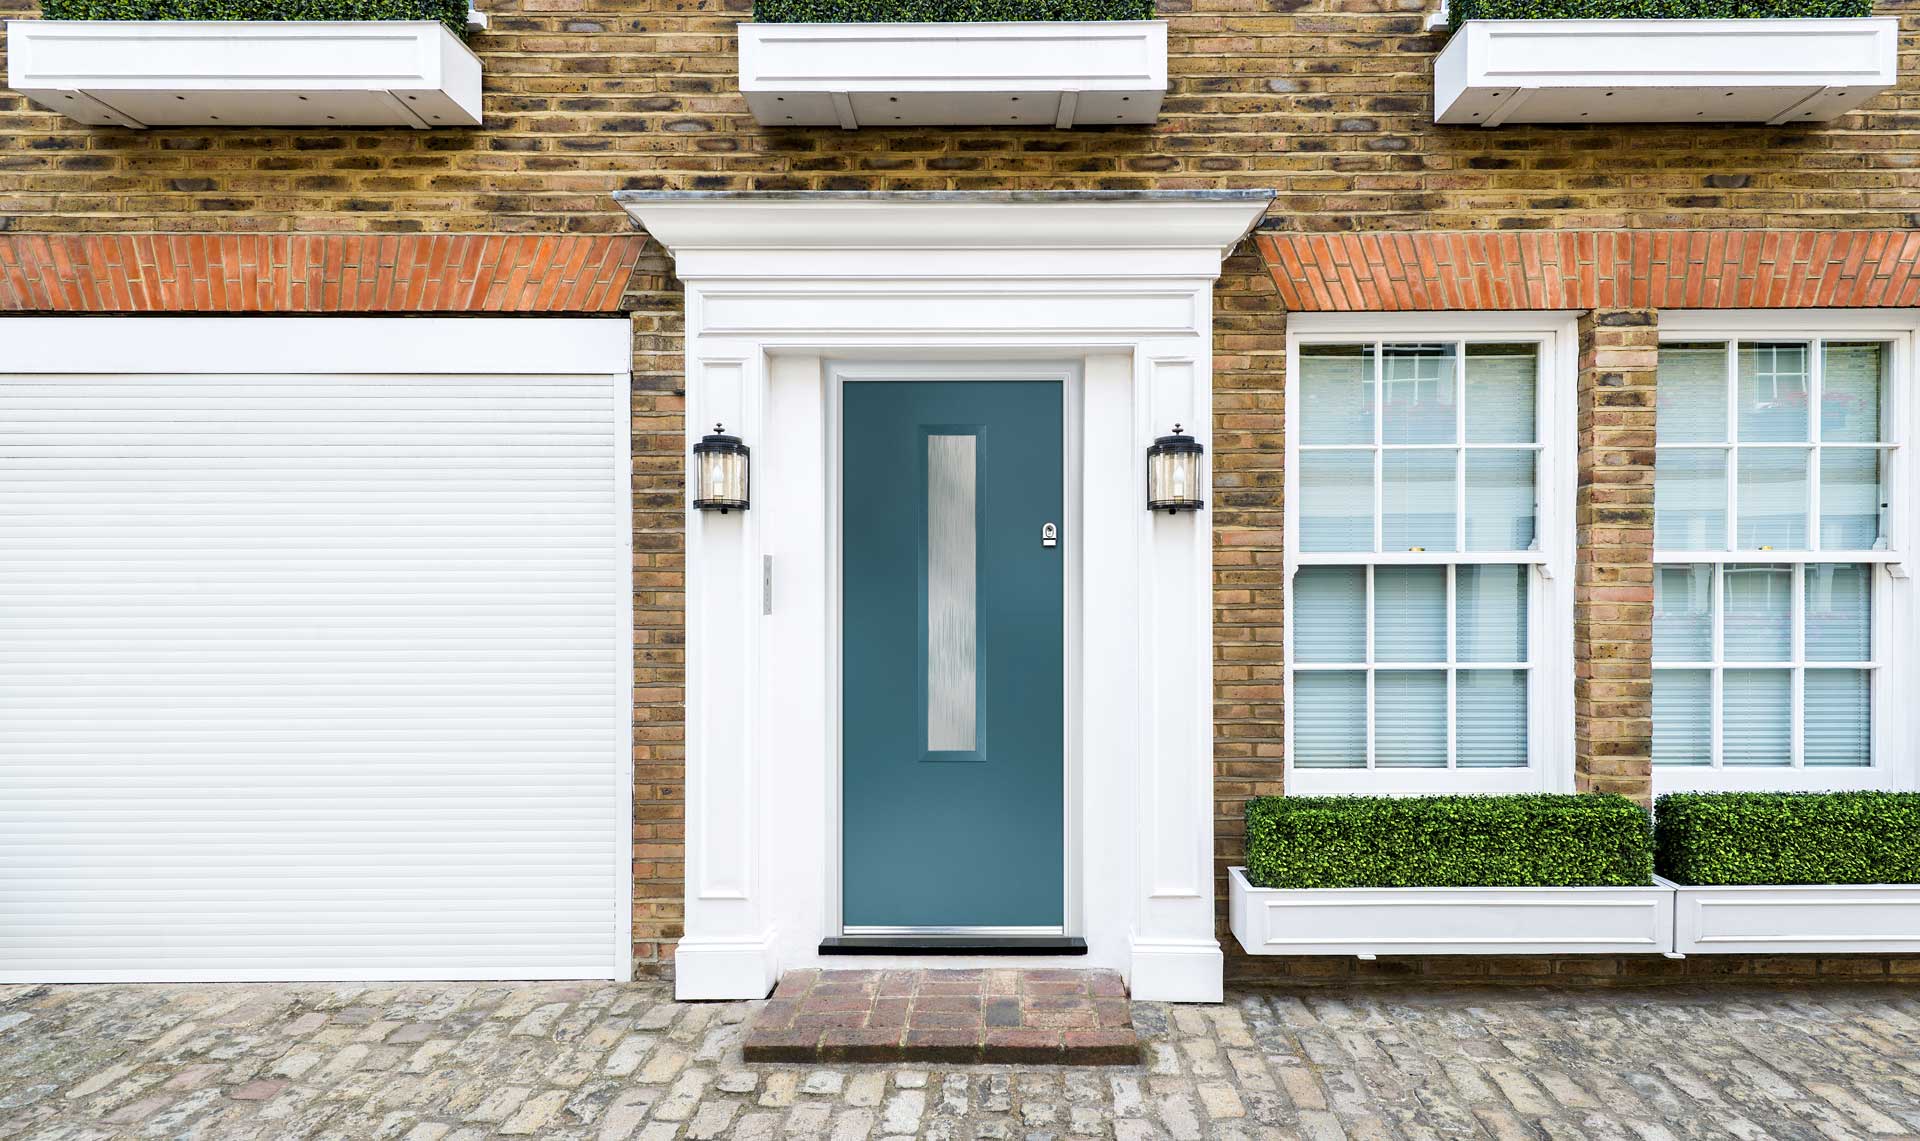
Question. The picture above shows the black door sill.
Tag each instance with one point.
(953, 945)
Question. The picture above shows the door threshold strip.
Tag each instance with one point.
(953, 945)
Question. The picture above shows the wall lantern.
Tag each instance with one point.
(720, 472)
(1173, 473)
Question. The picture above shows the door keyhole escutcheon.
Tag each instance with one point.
(1049, 535)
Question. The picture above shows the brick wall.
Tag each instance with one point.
(1325, 101)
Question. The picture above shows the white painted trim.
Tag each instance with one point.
(1819, 919)
(1550, 714)
(719, 969)
(494, 345)
(1450, 920)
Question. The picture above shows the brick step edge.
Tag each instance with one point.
(948, 1047)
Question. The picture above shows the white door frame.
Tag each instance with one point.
(778, 284)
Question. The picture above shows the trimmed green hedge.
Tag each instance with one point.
(1712, 838)
(452, 13)
(1448, 841)
(945, 11)
(1459, 10)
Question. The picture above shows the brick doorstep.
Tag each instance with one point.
(1006, 1016)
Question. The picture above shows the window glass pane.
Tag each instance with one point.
(1410, 614)
(1692, 393)
(950, 593)
(1682, 717)
(1330, 614)
(1336, 385)
(1336, 501)
(1759, 602)
(1410, 719)
(1839, 612)
(1756, 718)
(1491, 718)
(1851, 499)
(1683, 613)
(1417, 394)
(1499, 500)
(1329, 720)
(1417, 500)
(1501, 380)
(1773, 392)
(1773, 498)
(1852, 392)
(1839, 717)
(1690, 499)
(1490, 613)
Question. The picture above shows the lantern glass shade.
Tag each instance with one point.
(720, 472)
(1173, 473)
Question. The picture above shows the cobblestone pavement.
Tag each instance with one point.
(465, 1062)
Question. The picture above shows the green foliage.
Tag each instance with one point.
(945, 11)
(1711, 838)
(1458, 10)
(452, 13)
(1448, 841)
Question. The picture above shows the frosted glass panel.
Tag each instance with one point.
(1329, 720)
(1690, 499)
(1410, 614)
(1417, 501)
(1336, 386)
(1417, 383)
(1410, 719)
(1501, 380)
(951, 612)
(1772, 390)
(1682, 717)
(1773, 498)
(1683, 613)
(1490, 613)
(1336, 501)
(1850, 499)
(1756, 726)
(1759, 602)
(1839, 612)
(1852, 393)
(1491, 719)
(1330, 614)
(1839, 717)
(1499, 500)
(1692, 391)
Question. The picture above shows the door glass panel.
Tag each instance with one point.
(951, 610)
(1773, 393)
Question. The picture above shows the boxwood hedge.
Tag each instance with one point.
(1788, 837)
(1448, 841)
(945, 11)
(1459, 10)
(452, 13)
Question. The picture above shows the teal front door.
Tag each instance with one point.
(952, 687)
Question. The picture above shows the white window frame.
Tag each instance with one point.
(1896, 636)
(1550, 592)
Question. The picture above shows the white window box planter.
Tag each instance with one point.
(298, 73)
(1773, 919)
(1662, 71)
(1450, 920)
(1037, 74)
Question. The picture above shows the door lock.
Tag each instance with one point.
(1049, 535)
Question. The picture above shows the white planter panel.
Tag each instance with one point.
(1015, 74)
(1827, 919)
(1662, 71)
(296, 73)
(1450, 920)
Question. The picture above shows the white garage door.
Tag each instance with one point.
(315, 649)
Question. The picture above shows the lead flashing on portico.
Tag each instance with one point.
(691, 220)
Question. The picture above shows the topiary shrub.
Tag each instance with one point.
(945, 11)
(452, 13)
(1714, 838)
(1462, 10)
(1448, 841)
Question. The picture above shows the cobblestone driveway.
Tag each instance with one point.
(463, 1062)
